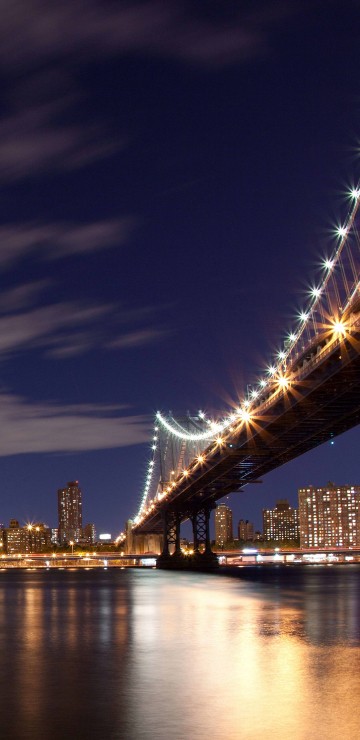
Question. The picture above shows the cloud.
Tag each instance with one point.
(68, 329)
(43, 127)
(40, 427)
(41, 327)
(138, 338)
(21, 296)
(32, 140)
(32, 31)
(57, 240)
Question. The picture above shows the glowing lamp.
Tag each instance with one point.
(341, 231)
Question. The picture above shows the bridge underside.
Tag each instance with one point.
(322, 404)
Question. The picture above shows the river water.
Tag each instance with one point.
(267, 653)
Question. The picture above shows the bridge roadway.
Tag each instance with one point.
(320, 401)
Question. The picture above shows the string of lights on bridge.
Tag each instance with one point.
(276, 377)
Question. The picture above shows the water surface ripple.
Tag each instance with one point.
(271, 652)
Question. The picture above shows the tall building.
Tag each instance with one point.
(18, 540)
(38, 537)
(89, 534)
(223, 525)
(245, 530)
(70, 513)
(54, 536)
(15, 539)
(281, 523)
(329, 516)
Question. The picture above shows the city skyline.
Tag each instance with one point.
(256, 525)
(171, 178)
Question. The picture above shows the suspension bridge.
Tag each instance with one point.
(309, 394)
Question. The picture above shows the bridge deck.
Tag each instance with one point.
(321, 402)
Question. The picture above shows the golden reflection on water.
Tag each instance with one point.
(148, 655)
(229, 663)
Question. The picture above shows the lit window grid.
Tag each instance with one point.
(329, 516)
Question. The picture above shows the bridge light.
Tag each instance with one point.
(339, 328)
(254, 394)
(246, 404)
(315, 292)
(355, 193)
(263, 383)
(281, 355)
(201, 414)
(153, 447)
(328, 264)
(304, 316)
(292, 337)
(271, 369)
(216, 427)
(151, 463)
(283, 382)
(220, 440)
(341, 231)
(185, 473)
(245, 415)
(200, 459)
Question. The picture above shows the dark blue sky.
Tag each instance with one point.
(170, 175)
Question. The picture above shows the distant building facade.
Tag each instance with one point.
(25, 540)
(15, 539)
(245, 531)
(70, 513)
(39, 537)
(223, 525)
(281, 523)
(329, 516)
(54, 536)
(89, 534)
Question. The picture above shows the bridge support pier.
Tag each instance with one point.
(203, 558)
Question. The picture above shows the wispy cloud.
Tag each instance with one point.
(40, 327)
(22, 296)
(43, 127)
(70, 328)
(57, 240)
(37, 30)
(138, 338)
(33, 141)
(40, 427)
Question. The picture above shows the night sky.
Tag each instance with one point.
(171, 173)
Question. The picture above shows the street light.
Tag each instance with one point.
(72, 546)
